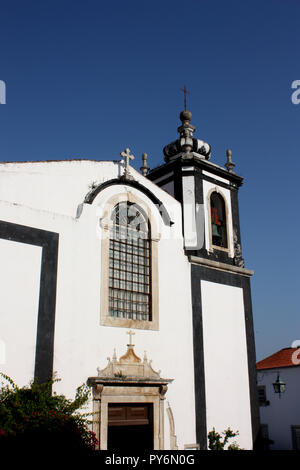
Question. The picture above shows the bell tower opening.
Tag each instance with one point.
(218, 220)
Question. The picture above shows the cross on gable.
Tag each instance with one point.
(130, 333)
(127, 157)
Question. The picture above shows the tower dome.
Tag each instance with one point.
(187, 143)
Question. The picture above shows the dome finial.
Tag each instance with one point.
(186, 131)
(185, 117)
(186, 146)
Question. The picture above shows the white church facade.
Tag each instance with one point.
(134, 283)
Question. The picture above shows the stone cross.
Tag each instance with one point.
(127, 157)
(130, 333)
(185, 92)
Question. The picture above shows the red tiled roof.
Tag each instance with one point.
(282, 358)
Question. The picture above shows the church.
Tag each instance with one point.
(133, 282)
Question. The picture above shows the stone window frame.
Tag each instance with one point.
(106, 224)
(212, 247)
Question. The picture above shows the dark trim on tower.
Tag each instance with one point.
(48, 241)
(199, 370)
(134, 184)
(255, 417)
(165, 181)
(202, 273)
(236, 227)
(217, 182)
(199, 163)
(178, 184)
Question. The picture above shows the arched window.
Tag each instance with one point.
(129, 263)
(218, 220)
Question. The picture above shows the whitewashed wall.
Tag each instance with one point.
(19, 280)
(46, 196)
(225, 356)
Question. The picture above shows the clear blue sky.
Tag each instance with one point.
(85, 79)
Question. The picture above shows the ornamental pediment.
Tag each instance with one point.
(129, 366)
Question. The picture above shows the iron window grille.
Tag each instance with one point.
(129, 263)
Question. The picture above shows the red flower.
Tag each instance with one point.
(95, 441)
(2, 432)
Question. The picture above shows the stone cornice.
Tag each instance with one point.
(128, 381)
(220, 266)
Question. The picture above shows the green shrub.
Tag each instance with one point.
(215, 441)
(34, 416)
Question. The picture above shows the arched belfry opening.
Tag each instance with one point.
(218, 220)
(128, 403)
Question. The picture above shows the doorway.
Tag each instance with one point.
(130, 426)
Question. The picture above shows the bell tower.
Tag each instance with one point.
(208, 194)
(224, 349)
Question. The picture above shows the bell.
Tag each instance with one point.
(215, 232)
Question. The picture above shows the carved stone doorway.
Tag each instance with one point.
(130, 427)
(129, 390)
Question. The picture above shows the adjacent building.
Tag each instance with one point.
(278, 380)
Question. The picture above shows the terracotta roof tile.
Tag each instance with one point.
(282, 358)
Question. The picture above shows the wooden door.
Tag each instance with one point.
(130, 426)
